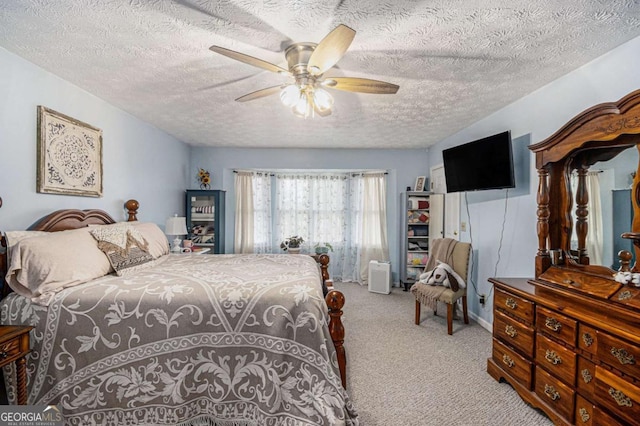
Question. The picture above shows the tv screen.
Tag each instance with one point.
(482, 164)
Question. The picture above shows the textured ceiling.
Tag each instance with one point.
(456, 61)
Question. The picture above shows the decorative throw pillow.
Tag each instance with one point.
(124, 246)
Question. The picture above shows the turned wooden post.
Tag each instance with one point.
(582, 227)
(132, 210)
(542, 258)
(21, 381)
(625, 260)
(324, 260)
(335, 302)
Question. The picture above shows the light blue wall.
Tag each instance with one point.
(139, 161)
(541, 113)
(403, 167)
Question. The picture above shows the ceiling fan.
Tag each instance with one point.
(307, 64)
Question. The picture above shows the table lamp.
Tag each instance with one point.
(176, 226)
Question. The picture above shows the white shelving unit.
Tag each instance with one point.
(422, 220)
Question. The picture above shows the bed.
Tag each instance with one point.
(185, 339)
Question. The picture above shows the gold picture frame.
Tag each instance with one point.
(419, 186)
(69, 155)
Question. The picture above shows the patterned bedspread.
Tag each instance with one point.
(210, 339)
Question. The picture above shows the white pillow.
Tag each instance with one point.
(157, 240)
(42, 265)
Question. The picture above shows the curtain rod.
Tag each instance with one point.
(302, 171)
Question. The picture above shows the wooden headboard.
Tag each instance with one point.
(62, 220)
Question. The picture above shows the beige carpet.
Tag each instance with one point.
(403, 374)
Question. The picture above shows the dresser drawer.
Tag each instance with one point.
(513, 363)
(514, 305)
(619, 354)
(588, 339)
(555, 393)
(601, 418)
(514, 333)
(588, 414)
(584, 412)
(557, 325)
(556, 359)
(586, 378)
(9, 350)
(617, 395)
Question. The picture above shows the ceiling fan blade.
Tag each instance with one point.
(330, 49)
(248, 59)
(259, 94)
(362, 85)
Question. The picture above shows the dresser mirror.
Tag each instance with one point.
(609, 208)
(607, 133)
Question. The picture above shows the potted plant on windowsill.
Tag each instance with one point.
(292, 244)
(323, 248)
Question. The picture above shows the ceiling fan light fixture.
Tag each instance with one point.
(290, 95)
(322, 99)
(304, 107)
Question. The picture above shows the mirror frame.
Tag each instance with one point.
(597, 134)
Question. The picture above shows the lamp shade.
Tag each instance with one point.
(176, 226)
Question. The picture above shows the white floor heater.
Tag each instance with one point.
(379, 277)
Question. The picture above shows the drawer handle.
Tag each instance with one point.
(552, 324)
(587, 339)
(506, 359)
(551, 392)
(622, 399)
(625, 295)
(511, 331)
(511, 303)
(586, 376)
(553, 357)
(584, 415)
(623, 356)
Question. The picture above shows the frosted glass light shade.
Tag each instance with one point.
(290, 95)
(322, 99)
(304, 107)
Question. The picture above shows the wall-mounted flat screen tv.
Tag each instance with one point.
(486, 163)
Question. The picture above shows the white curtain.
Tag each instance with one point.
(595, 240)
(346, 210)
(253, 212)
(374, 244)
(243, 237)
(313, 206)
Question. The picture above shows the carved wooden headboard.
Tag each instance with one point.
(61, 220)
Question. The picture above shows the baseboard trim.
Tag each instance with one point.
(483, 323)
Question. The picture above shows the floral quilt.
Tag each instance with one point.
(211, 339)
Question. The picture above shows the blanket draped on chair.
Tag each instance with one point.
(428, 295)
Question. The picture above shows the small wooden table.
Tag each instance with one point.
(14, 347)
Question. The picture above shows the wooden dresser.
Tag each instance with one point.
(574, 357)
(568, 340)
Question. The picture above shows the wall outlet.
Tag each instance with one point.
(482, 299)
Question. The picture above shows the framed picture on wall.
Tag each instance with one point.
(69, 155)
(419, 186)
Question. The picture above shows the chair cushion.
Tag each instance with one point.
(427, 294)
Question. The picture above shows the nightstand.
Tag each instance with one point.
(14, 347)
